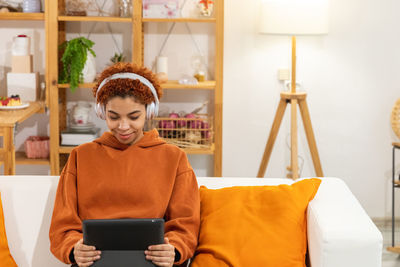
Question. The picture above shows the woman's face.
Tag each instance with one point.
(125, 117)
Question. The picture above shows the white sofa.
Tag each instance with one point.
(340, 233)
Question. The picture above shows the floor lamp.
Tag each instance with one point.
(293, 17)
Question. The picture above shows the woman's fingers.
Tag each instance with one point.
(80, 246)
(168, 264)
(161, 255)
(162, 247)
(85, 264)
(86, 258)
(85, 255)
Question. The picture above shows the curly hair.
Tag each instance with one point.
(127, 87)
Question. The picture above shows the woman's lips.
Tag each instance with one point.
(125, 136)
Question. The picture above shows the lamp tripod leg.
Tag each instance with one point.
(272, 136)
(310, 137)
(293, 141)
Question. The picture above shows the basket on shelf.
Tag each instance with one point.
(37, 147)
(189, 133)
(395, 118)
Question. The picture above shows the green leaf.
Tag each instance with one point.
(73, 60)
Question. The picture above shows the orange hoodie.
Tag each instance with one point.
(105, 179)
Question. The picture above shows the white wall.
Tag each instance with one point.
(349, 75)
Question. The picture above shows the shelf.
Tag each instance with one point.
(205, 20)
(92, 18)
(210, 151)
(21, 16)
(81, 85)
(8, 118)
(65, 149)
(206, 85)
(21, 159)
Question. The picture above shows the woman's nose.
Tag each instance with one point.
(123, 125)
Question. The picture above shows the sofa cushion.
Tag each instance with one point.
(254, 225)
(5, 256)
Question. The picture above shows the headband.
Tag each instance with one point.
(132, 76)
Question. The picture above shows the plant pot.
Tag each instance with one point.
(89, 70)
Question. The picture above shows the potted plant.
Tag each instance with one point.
(118, 57)
(76, 61)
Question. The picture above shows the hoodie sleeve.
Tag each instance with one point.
(183, 212)
(66, 226)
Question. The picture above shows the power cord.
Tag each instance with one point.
(298, 156)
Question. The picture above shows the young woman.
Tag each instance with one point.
(126, 173)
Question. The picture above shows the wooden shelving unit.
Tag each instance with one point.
(22, 16)
(56, 35)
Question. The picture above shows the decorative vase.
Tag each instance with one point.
(89, 70)
(206, 7)
(21, 45)
(125, 8)
(31, 6)
(80, 113)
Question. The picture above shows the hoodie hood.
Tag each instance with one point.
(149, 139)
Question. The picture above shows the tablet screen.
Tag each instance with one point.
(123, 234)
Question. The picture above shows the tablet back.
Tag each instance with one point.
(123, 241)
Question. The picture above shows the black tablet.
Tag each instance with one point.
(123, 234)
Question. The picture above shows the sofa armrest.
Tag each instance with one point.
(340, 233)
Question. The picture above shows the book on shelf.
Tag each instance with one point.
(70, 137)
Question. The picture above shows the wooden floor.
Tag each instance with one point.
(389, 259)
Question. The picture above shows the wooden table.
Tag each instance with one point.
(8, 121)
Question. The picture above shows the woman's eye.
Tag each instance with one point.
(134, 118)
(113, 118)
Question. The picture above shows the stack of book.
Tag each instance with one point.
(70, 137)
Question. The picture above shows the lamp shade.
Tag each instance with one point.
(294, 17)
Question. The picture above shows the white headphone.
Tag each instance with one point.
(151, 109)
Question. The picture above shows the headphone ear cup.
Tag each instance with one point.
(103, 112)
(151, 110)
(100, 112)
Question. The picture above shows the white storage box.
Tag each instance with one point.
(23, 84)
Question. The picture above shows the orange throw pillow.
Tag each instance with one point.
(245, 226)
(5, 257)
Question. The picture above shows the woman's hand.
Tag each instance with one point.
(161, 255)
(85, 255)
